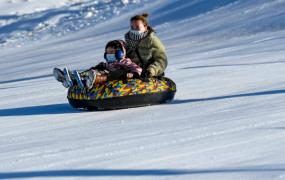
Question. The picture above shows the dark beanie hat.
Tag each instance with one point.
(116, 44)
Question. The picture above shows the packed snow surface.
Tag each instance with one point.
(227, 120)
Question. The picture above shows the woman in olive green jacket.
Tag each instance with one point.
(145, 48)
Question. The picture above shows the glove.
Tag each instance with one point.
(150, 72)
(145, 74)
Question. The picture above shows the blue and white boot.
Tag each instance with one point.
(90, 78)
(78, 79)
(67, 77)
(59, 76)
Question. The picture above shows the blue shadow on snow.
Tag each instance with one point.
(38, 110)
(65, 108)
(138, 172)
(234, 65)
(261, 93)
(25, 79)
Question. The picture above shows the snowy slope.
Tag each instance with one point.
(55, 18)
(227, 120)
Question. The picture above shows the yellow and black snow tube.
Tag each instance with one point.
(118, 94)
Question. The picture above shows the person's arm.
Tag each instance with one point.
(118, 74)
(101, 66)
(159, 64)
(133, 67)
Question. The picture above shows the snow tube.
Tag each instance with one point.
(118, 94)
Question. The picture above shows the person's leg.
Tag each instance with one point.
(90, 78)
(59, 76)
(67, 75)
(78, 78)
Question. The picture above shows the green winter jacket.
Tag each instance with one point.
(150, 54)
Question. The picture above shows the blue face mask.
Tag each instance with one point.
(111, 58)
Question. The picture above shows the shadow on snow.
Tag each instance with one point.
(38, 110)
(65, 108)
(140, 172)
(25, 79)
(261, 93)
(234, 65)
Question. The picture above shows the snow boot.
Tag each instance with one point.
(67, 76)
(78, 79)
(90, 78)
(59, 76)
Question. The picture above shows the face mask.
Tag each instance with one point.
(110, 58)
(135, 32)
